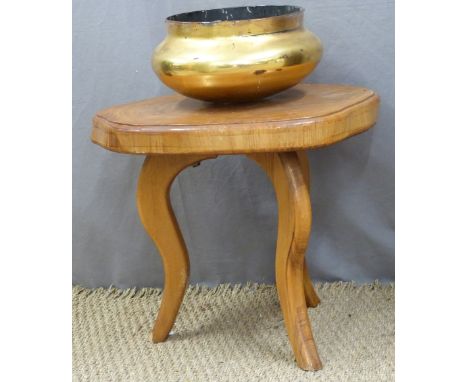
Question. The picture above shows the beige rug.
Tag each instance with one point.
(231, 333)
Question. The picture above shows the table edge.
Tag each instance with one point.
(362, 115)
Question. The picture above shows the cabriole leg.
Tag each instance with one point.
(154, 208)
(294, 224)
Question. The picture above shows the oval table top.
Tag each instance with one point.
(304, 117)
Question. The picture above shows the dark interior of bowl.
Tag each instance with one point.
(235, 13)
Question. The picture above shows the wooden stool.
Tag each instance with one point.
(175, 132)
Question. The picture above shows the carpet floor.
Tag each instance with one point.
(231, 333)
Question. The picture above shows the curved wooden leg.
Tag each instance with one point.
(154, 208)
(294, 223)
(311, 296)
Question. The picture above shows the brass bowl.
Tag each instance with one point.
(236, 54)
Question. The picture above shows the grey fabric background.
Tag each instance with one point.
(226, 207)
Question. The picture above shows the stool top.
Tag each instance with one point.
(306, 116)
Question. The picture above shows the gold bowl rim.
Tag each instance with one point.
(241, 26)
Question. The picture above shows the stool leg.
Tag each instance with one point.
(312, 299)
(294, 223)
(311, 296)
(154, 208)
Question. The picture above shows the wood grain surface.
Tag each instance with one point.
(306, 116)
(154, 207)
(289, 174)
(294, 224)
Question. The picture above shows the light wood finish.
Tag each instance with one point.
(294, 224)
(312, 299)
(306, 116)
(274, 133)
(154, 208)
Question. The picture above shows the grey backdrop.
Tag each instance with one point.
(226, 207)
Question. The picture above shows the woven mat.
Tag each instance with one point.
(231, 333)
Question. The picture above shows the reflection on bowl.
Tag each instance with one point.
(236, 54)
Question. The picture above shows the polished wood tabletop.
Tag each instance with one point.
(304, 117)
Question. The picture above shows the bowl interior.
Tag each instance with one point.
(235, 13)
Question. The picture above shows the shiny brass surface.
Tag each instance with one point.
(236, 60)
